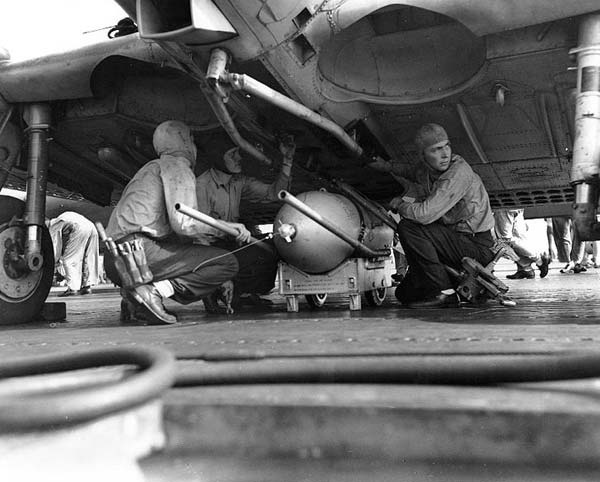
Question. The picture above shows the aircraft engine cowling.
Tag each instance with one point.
(313, 248)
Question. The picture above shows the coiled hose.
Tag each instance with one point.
(54, 410)
(21, 412)
(413, 368)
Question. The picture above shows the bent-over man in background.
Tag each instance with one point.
(75, 242)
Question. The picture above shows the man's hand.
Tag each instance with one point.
(380, 164)
(395, 204)
(244, 235)
(287, 147)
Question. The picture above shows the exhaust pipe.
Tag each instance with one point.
(585, 173)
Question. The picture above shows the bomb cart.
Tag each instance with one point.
(332, 244)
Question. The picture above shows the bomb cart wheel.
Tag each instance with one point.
(316, 301)
(375, 297)
(22, 291)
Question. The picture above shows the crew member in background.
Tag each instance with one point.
(183, 271)
(75, 242)
(511, 227)
(446, 215)
(220, 190)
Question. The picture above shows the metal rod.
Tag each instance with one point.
(366, 203)
(254, 87)
(216, 102)
(215, 223)
(360, 248)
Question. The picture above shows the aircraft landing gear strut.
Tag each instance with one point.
(26, 253)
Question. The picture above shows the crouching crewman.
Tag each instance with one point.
(446, 215)
(220, 191)
(182, 271)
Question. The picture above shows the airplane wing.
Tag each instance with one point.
(495, 74)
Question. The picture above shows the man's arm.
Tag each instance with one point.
(257, 191)
(399, 172)
(448, 190)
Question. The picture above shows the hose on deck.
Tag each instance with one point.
(73, 405)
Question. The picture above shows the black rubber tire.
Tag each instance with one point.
(375, 297)
(26, 309)
(317, 300)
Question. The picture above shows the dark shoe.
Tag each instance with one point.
(68, 292)
(529, 274)
(148, 296)
(439, 301)
(578, 268)
(133, 312)
(86, 290)
(544, 266)
(211, 304)
(567, 268)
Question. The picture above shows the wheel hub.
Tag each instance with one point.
(16, 281)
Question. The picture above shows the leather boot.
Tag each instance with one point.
(150, 298)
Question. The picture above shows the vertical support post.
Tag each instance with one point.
(354, 302)
(37, 117)
(585, 173)
(291, 303)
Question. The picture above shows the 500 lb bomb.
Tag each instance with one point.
(313, 248)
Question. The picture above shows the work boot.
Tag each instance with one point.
(150, 298)
(543, 266)
(86, 290)
(523, 274)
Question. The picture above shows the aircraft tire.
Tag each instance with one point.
(375, 297)
(316, 300)
(36, 286)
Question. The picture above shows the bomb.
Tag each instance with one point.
(344, 229)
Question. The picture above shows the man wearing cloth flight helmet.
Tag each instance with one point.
(220, 191)
(183, 271)
(450, 218)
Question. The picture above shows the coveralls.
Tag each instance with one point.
(75, 242)
(451, 218)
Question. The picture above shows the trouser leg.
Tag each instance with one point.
(561, 227)
(194, 270)
(257, 267)
(429, 247)
(577, 248)
(85, 267)
(526, 256)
